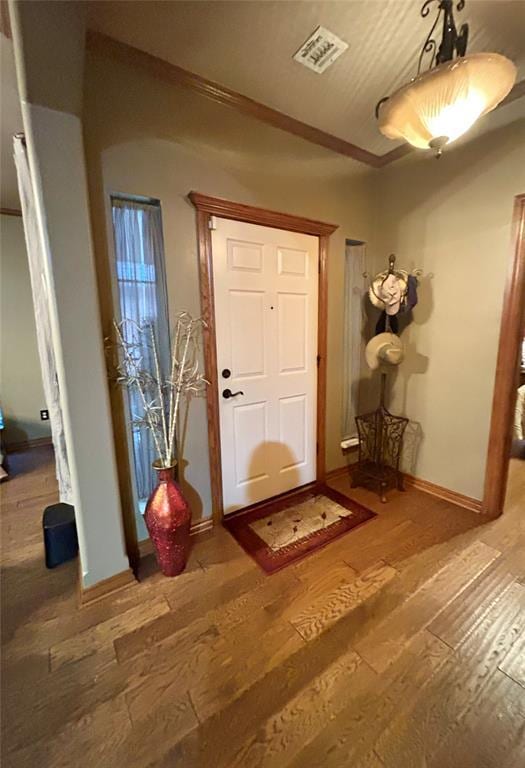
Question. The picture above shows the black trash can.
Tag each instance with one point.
(60, 534)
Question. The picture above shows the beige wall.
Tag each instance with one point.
(146, 137)
(452, 219)
(21, 392)
(50, 33)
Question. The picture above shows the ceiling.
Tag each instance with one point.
(248, 47)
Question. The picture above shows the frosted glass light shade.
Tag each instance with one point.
(440, 105)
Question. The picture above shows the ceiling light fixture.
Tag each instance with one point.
(441, 104)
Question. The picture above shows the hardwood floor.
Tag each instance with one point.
(402, 644)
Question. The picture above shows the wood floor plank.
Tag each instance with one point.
(406, 536)
(313, 620)
(104, 634)
(155, 731)
(287, 731)
(190, 585)
(438, 712)
(225, 732)
(362, 551)
(351, 735)
(458, 619)
(317, 585)
(381, 647)
(514, 557)
(492, 732)
(52, 629)
(229, 679)
(90, 742)
(513, 665)
(368, 761)
(221, 677)
(31, 714)
(368, 616)
(205, 661)
(210, 605)
(313, 571)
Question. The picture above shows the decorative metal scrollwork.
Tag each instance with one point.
(452, 43)
(380, 443)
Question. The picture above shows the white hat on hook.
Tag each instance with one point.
(384, 348)
(388, 289)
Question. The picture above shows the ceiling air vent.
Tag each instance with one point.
(320, 50)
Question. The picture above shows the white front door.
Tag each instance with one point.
(265, 288)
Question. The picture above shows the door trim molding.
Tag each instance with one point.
(507, 369)
(213, 206)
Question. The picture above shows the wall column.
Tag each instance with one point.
(49, 49)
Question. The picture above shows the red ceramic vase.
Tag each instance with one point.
(168, 520)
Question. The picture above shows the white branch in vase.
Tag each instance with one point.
(160, 395)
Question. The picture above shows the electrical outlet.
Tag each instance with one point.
(44, 415)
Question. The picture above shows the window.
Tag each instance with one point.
(355, 290)
(142, 297)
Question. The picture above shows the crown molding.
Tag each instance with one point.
(157, 67)
(97, 41)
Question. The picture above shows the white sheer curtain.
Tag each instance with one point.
(41, 301)
(355, 286)
(141, 281)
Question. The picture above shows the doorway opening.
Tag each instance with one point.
(353, 339)
(508, 372)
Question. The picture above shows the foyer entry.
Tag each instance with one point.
(266, 304)
(263, 278)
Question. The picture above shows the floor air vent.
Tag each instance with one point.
(320, 50)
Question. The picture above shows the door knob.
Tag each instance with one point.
(227, 393)
(226, 373)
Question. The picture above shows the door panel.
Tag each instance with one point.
(265, 291)
(246, 327)
(245, 256)
(293, 428)
(292, 262)
(292, 330)
(250, 430)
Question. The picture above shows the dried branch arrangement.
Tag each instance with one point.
(139, 368)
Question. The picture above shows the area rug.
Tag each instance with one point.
(284, 531)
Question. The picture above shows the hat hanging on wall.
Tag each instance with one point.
(384, 348)
(388, 290)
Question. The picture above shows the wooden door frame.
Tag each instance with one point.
(207, 207)
(507, 369)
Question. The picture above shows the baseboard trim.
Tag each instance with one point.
(201, 526)
(25, 445)
(104, 588)
(334, 474)
(459, 499)
(125, 579)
